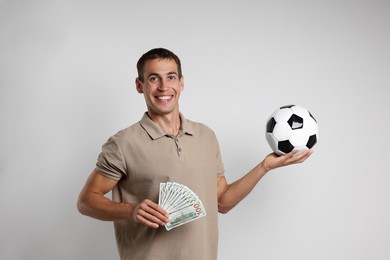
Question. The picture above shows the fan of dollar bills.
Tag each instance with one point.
(181, 203)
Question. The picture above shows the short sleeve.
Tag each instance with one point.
(111, 161)
(220, 167)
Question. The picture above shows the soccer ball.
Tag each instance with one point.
(291, 127)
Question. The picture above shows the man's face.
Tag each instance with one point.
(161, 86)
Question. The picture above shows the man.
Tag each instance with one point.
(164, 146)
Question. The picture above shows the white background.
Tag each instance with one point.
(67, 71)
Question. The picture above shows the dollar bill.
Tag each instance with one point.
(181, 203)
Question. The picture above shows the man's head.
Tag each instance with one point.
(160, 81)
(157, 53)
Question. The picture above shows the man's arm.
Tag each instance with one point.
(229, 195)
(93, 203)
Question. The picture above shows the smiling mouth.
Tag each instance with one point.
(164, 97)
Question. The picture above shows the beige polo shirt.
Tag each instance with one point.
(141, 157)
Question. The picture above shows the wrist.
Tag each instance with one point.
(133, 211)
(263, 168)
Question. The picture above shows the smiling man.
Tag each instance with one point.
(164, 146)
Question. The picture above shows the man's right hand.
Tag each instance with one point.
(150, 214)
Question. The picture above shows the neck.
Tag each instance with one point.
(169, 123)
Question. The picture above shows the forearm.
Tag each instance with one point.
(93, 203)
(238, 190)
(230, 195)
(99, 207)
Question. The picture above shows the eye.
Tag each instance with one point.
(171, 77)
(153, 78)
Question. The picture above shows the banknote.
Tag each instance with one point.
(181, 203)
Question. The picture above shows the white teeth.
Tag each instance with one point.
(164, 97)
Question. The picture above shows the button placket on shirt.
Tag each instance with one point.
(179, 149)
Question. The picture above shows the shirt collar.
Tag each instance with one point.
(155, 131)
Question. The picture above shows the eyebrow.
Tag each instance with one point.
(169, 73)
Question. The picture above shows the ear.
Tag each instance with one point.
(181, 83)
(138, 85)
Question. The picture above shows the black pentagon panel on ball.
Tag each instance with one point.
(295, 122)
(271, 125)
(312, 141)
(285, 146)
(288, 106)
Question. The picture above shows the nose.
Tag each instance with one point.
(163, 85)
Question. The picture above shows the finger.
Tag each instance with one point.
(154, 212)
(288, 158)
(156, 207)
(148, 218)
(142, 220)
(300, 157)
(292, 154)
(307, 155)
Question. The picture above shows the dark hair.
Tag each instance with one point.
(157, 53)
